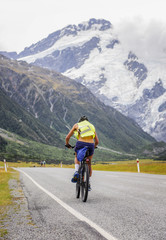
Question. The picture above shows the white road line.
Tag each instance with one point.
(71, 210)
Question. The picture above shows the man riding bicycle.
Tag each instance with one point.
(86, 136)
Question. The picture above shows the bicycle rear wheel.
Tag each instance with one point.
(85, 183)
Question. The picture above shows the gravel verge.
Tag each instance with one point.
(18, 222)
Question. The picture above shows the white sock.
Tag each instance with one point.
(76, 167)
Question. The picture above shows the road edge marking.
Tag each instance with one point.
(71, 210)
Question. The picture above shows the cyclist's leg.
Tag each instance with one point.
(90, 171)
(89, 165)
(77, 163)
(76, 174)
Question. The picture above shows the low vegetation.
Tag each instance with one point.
(146, 166)
(5, 198)
(5, 193)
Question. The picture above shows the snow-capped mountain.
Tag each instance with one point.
(92, 54)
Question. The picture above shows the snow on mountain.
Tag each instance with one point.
(92, 54)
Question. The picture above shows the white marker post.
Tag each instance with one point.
(5, 165)
(138, 165)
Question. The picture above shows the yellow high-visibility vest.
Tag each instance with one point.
(85, 129)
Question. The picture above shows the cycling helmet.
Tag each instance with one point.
(83, 118)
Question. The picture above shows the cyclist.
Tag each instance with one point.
(86, 135)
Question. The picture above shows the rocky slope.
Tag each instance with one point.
(15, 119)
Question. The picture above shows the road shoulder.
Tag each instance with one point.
(18, 221)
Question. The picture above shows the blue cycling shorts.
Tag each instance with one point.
(91, 147)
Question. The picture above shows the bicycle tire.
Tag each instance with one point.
(78, 188)
(85, 183)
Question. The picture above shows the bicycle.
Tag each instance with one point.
(82, 184)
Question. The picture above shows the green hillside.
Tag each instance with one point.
(57, 102)
(15, 119)
(16, 148)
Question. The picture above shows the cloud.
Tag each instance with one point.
(146, 39)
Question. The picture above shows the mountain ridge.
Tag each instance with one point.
(92, 54)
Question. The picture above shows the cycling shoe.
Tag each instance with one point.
(75, 177)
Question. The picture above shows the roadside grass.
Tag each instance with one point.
(20, 164)
(33, 164)
(146, 166)
(5, 199)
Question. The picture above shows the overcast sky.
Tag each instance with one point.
(140, 23)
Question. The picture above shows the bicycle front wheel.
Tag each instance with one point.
(78, 188)
(85, 183)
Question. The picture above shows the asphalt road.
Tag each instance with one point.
(121, 206)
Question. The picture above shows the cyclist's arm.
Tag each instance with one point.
(75, 127)
(96, 140)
